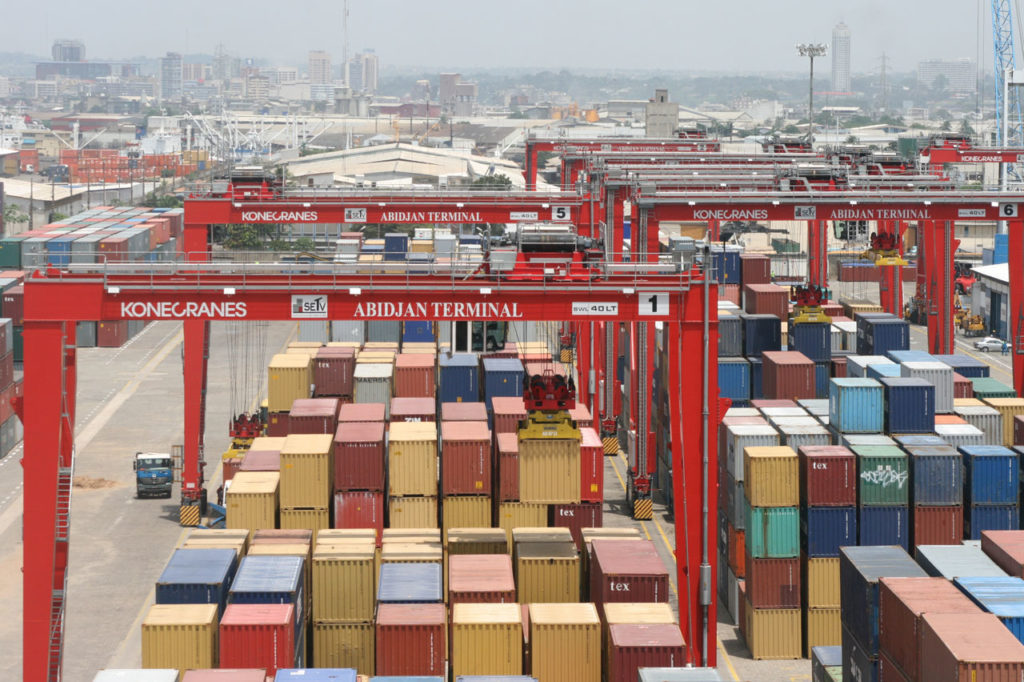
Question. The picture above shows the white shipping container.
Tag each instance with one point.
(740, 436)
(816, 407)
(837, 339)
(806, 420)
(959, 435)
(732, 591)
(854, 439)
(372, 384)
(939, 375)
(848, 331)
(798, 436)
(857, 365)
(771, 412)
(743, 412)
(983, 417)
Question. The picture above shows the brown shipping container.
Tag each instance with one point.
(1018, 429)
(261, 460)
(481, 579)
(463, 412)
(888, 671)
(332, 372)
(576, 517)
(766, 299)
(729, 292)
(736, 542)
(969, 647)
(506, 460)
(773, 583)
(626, 613)
(465, 458)
(1006, 548)
(643, 646)
(962, 386)
(938, 525)
(771, 476)
(901, 602)
(359, 456)
(755, 268)
(565, 643)
(508, 412)
(414, 375)
(413, 410)
(828, 476)
(112, 334)
(787, 375)
(314, 415)
(838, 369)
(411, 639)
(277, 424)
(361, 412)
(627, 570)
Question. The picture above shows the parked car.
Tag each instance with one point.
(989, 343)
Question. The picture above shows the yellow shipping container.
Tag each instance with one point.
(251, 501)
(486, 639)
(370, 263)
(412, 461)
(181, 636)
(412, 534)
(412, 512)
(549, 471)
(821, 582)
(565, 643)
(476, 541)
(773, 633)
(1008, 408)
(215, 543)
(547, 572)
(267, 443)
(306, 518)
(516, 514)
(225, 537)
(822, 627)
(416, 553)
(306, 470)
(540, 534)
(288, 378)
(967, 402)
(421, 245)
(466, 511)
(330, 535)
(771, 476)
(344, 645)
(343, 583)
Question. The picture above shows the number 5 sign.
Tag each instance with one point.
(654, 303)
(560, 213)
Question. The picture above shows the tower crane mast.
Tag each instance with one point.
(1009, 125)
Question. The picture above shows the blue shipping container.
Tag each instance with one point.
(756, 374)
(726, 264)
(964, 365)
(978, 518)
(197, 576)
(855, 405)
(879, 370)
(316, 675)
(418, 331)
(1002, 597)
(734, 378)
(822, 375)
(761, 333)
(271, 580)
(396, 242)
(882, 335)
(884, 526)
(909, 404)
(916, 440)
(899, 356)
(936, 476)
(858, 663)
(459, 378)
(503, 377)
(825, 529)
(410, 583)
(813, 339)
(859, 571)
(991, 475)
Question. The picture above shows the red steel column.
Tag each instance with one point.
(714, 231)
(196, 345)
(817, 253)
(530, 173)
(583, 363)
(46, 403)
(195, 242)
(924, 264)
(940, 321)
(1015, 309)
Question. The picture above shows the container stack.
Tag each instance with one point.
(936, 484)
(359, 466)
(307, 479)
(547, 565)
(466, 478)
(772, 562)
(344, 573)
(991, 489)
(412, 475)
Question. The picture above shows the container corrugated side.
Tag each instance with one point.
(939, 375)
(412, 459)
(771, 476)
(412, 512)
(969, 648)
(1008, 408)
(980, 518)
(486, 639)
(822, 627)
(883, 474)
(820, 582)
(547, 573)
(565, 642)
(773, 633)
(521, 515)
(1002, 596)
(180, 636)
(640, 646)
(828, 476)
(860, 568)
(252, 499)
(738, 437)
(343, 583)
(465, 511)
(289, 377)
(991, 475)
(985, 418)
(549, 471)
(856, 405)
(306, 471)
(772, 531)
(411, 639)
(344, 645)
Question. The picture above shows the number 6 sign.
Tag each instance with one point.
(1007, 210)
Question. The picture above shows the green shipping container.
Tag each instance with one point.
(772, 532)
(883, 477)
(985, 387)
(19, 344)
(10, 253)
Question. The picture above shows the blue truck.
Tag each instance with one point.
(154, 474)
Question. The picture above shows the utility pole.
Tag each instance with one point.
(344, 43)
(811, 50)
(884, 84)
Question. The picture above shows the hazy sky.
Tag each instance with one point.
(732, 35)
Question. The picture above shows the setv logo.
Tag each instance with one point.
(309, 307)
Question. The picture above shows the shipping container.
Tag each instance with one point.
(289, 378)
(825, 529)
(576, 517)
(937, 374)
(465, 458)
(734, 379)
(197, 576)
(986, 388)
(360, 509)
(362, 412)
(881, 334)
(1006, 548)
(547, 572)
(220, 675)
(413, 410)
(549, 471)
(828, 476)
(520, 515)
(272, 580)
(260, 636)
(937, 525)
(316, 675)
(306, 470)
(771, 476)
(411, 639)
(626, 571)
(412, 459)
(640, 646)
(371, 383)
(508, 412)
(486, 639)
(856, 405)
(565, 642)
(741, 436)
(936, 475)
(1008, 408)
(972, 647)
(463, 412)
(410, 583)
(313, 416)
(591, 468)
(180, 636)
(773, 583)
(985, 418)
(772, 532)
(858, 662)
(465, 511)
(788, 374)
(503, 377)
(458, 378)
(252, 499)
(481, 579)
(359, 456)
(827, 664)
(343, 580)
(979, 518)
(909, 405)
(773, 633)
(857, 365)
(796, 436)
(884, 526)
(761, 333)
(954, 561)
(344, 645)
(991, 475)
(730, 334)
(414, 375)
(332, 372)
(412, 511)
(822, 627)
(883, 473)
(820, 582)
(958, 435)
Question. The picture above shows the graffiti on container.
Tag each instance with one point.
(884, 477)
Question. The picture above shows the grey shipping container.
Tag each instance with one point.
(315, 331)
(85, 334)
(384, 330)
(956, 561)
(348, 330)
(985, 418)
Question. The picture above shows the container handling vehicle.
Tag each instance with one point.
(154, 474)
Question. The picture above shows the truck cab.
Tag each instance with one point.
(154, 474)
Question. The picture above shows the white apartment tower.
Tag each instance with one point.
(320, 67)
(841, 58)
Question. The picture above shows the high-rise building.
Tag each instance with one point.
(320, 67)
(959, 76)
(68, 51)
(171, 81)
(363, 70)
(841, 58)
(446, 91)
(661, 117)
(197, 73)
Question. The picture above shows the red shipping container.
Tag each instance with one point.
(261, 460)
(359, 509)
(643, 646)
(766, 299)
(332, 371)
(889, 671)
(481, 579)
(112, 334)
(576, 517)
(313, 415)
(969, 647)
(627, 571)
(591, 466)
(413, 410)
(762, 403)
(938, 525)
(787, 374)
(6, 369)
(1018, 429)
(225, 675)
(508, 412)
(828, 476)
(414, 375)
(464, 412)
(465, 457)
(755, 268)
(361, 412)
(230, 467)
(772, 583)
(581, 414)
(1006, 549)
(259, 636)
(507, 462)
(838, 369)
(411, 639)
(901, 602)
(735, 541)
(729, 292)
(14, 305)
(359, 456)
(962, 387)
(277, 424)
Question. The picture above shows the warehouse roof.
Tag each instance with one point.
(999, 272)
